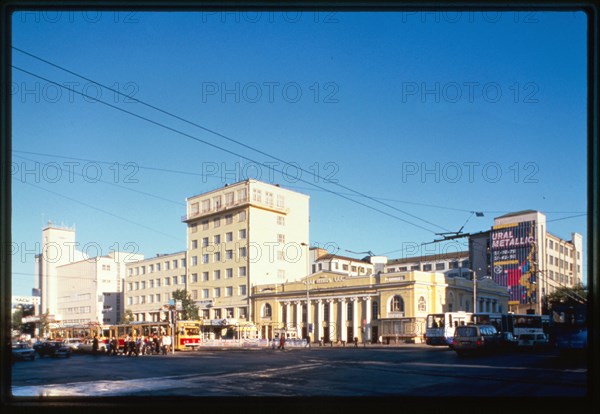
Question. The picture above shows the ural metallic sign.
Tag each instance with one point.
(513, 255)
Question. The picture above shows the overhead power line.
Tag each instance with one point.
(219, 148)
(211, 131)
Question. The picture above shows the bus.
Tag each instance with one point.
(501, 321)
(569, 328)
(527, 324)
(439, 328)
(187, 333)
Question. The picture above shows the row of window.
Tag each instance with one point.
(216, 202)
(76, 309)
(428, 267)
(559, 262)
(217, 257)
(559, 277)
(562, 249)
(152, 283)
(241, 217)
(242, 234)
(157, 267)
(345, 267)
(227, 291)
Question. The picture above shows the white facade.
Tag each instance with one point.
(450, 264)
(322, 261)
(241, 235)
(76, 289)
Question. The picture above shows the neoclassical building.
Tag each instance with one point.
(392, 306)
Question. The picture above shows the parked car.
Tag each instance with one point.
(533, 341)
(72, 343)
(87, 346)
(476, 339)
(22, 351)
(509, 341)
(52, 348)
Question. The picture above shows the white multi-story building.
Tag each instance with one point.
(322, 261)
(454, 264)
(530, 261)
(75, 288)
(150, 283)
(240, 235)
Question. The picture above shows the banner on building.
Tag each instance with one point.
(514, 257)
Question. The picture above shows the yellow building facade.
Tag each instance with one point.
(388, 307)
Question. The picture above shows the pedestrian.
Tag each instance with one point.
(356, 341)
(114, 346)
(166, 344)
(95, 345)
(282, 342)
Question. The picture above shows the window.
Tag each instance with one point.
(151, 283)
(194, 260)
(150, 268)
(229, 236)
(217, 222)
(167, 265)
(175, 264)
(217, 292)
(242, 271)
(194, 209)
(280, 201)
(182, 279)
(229, 273)
(242, 290)
(204, 241)
(440, 266)
(350, 310)
(422, 304)
(194, 294)
(194, 227)
(130, 286)
(242, 313)
(397, 304)
(217, 313)
(266, 311)
(257, 195)
(205, 258)
(228, 218)
(281, 238)
(194, 277)
(216, 274)
(229, 291)
(204, 224)
(217, 202)
(427, 267)
(402, 269)
(150, 298)
(242, 252)
(242, 195)
(217, 257)
(205, 206)
(205, 276)
(229, 198)
(242, 234)
(375, 309)
(143, 284)
(205, 293)
(228, 254)
(158, 267)
(281, 220)
(194, 244)
(242, 216)
(167, 281)
(229, 312)
(158, 282)
(268, 198)
(415, 267)
(137, 285)
(157, 296)
(217, 239)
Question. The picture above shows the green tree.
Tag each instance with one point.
(189, 309)
(17, 319)
(568, 295)
(127, 316)
(44, 323)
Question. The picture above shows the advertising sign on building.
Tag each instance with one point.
(513, 255)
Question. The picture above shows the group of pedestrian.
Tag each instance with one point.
(136, 345)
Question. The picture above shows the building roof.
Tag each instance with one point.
(430, 258)
(518, 213)
(330, 256)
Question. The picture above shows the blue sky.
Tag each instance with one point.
(436, 115)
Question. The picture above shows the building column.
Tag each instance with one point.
(308, 319)
(343, 317)
(288, 315)
(298, 318)
(331, 324)
(368, 318)
(354, 318)
(318, 320)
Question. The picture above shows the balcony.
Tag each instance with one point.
(224, 208)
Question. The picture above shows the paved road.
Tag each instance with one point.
(411, 370)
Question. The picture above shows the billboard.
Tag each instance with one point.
(513, 256)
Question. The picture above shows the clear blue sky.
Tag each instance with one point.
(492, 105)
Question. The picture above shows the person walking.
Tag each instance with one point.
(95, 345)
(282, 342)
